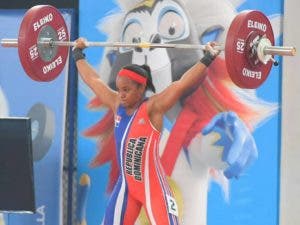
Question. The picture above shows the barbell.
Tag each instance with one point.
(43, 46)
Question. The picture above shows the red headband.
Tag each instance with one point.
(133, 76)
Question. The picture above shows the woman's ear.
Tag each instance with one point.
(142, 88)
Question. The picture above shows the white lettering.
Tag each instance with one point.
(46, 19)
(62, 35)
(240, 45)
(251, 74)
(257, 25)
(41, 215)
(33, 52)
(52, 65)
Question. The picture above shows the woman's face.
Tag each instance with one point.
(130, 92)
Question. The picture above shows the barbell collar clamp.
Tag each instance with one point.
(280, 50)
(9, 43)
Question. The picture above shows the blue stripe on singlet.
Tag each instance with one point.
(121, 132)
(166, 190)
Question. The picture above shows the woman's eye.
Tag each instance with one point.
(125, 90)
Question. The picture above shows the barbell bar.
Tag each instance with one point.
(50, 42)
(43, 46)
(268, 50)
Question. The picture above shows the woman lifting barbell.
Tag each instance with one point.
(138, 124)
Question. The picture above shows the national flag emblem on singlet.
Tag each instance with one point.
(117, 120)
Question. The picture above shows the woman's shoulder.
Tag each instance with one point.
(151, 103)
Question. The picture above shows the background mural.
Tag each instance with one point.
(250, 197)
(246, 200)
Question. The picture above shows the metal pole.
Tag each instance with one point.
(268, 50)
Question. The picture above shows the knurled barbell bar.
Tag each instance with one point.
(43, 46)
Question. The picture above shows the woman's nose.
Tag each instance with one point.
(122, 95)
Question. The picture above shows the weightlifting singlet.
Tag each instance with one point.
(142, 181)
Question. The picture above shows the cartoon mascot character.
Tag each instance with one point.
(208, 133)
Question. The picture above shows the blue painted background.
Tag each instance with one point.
(22, 93)
(253, 198)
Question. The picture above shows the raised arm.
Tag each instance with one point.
(88, 74)
(194, 75)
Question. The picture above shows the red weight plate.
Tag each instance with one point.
(243, 68)
(35, 19)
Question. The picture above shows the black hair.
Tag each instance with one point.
(144, 71)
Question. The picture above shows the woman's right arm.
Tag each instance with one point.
(107, 96)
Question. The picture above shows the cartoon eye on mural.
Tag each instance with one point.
(210, 136)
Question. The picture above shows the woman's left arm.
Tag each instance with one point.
(167, 98)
